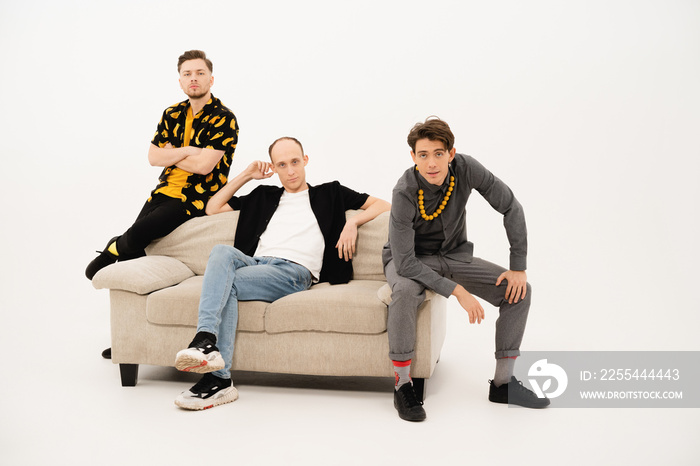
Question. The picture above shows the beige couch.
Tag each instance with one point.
(335, 330)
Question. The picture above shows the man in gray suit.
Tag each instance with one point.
(428, 249)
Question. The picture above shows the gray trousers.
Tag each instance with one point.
(479, 278)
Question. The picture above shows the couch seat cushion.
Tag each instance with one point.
(349, 308)
(178, 305)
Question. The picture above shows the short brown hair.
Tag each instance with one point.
(289, 138)
(193, 55)
(434, 129)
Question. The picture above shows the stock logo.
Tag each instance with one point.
(543, 370)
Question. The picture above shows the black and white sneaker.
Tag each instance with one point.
(201, 357)
(209, 392)
(515, 393)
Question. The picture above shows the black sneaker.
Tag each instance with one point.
(209, 392)
(107, 354)
(515, 393)
(100, 262)
(407, 404)
(201, 357)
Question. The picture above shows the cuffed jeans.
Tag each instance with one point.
(232, 276)
(479, 278)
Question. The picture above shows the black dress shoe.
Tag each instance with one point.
(107, 354)
(515, 393)
(104, 259)
(407, 404)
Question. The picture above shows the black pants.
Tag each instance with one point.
(158, 217)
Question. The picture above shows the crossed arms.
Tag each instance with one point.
(189, 158)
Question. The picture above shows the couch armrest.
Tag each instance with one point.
(143, 275)
(384, 294)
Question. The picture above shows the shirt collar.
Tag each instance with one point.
(431, 188)
(212, 100)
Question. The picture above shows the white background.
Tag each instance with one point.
(589, 111)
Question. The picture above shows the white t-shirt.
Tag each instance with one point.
(293, 233)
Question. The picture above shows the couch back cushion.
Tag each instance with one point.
(192, 241)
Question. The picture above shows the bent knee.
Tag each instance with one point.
(406, 286)
(222, 251)
(528, 292)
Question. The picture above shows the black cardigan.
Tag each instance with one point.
(329, 201)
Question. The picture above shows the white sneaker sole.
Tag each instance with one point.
(227, 395)
(192, 360)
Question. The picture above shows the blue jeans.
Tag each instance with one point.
(231, 276)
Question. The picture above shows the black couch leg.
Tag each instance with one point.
(129, 373)
(419, 387)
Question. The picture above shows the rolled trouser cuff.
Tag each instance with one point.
(402, 356)
(507, 354)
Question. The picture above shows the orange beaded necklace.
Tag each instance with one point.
(441, 207)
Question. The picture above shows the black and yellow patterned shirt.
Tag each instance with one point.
(214, 127)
